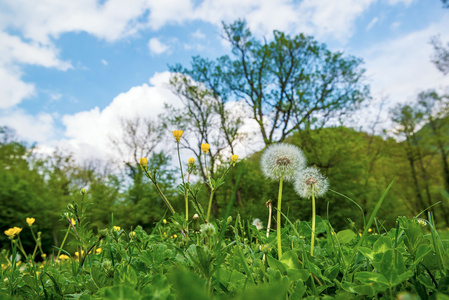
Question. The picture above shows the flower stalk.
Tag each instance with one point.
(279, 240)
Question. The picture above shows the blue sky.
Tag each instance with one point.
(69, 70)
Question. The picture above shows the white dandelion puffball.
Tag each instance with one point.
(308, 178)
(258, 223)
(282, 161)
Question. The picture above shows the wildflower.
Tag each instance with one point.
(308, 179)
(177, 134)
(234, 159)
(175, 236)
(258, 223)
(191, 161)
(116, 228)
(164, 221)
(196, 223)
(370, 230)
(78, 254)
(98, 250)
(63, 257)
(72, 220)
(83, 191)
(30, 221)
(143, 162)
(11, 232)
(282, 161)
(132, 234)
(422, 222)
(43, 255)
(4, 266)
(205, 147)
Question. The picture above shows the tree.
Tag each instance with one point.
(204, 117)
(441, 55)
(288, 84)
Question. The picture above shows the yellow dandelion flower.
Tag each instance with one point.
(177, 134)
(30, 221)
(205, 147)
(191, 161)
(116, 228)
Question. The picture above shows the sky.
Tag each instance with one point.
(71, 70)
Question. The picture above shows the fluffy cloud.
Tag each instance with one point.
(39, 128)
(156, 46)
(88, 133)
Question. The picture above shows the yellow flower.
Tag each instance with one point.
(73, 221)
(116, 228)
(98, 250)
(132, 234)
(234, 158)
(30, 221)
(78, 254)
(178, 134)
(164, 221)
(43, 255)
(205, 147)
(4, 266)
(143, 162)
(63, 256)
(175, 236)
(11, 232)
(369, 230)
(191, 161)
(83, 191)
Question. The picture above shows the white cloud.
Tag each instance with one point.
(372, 23)
(156, 46)
(400, 68)
(395, 25)
(104, 62)
(198, 34)
(88, 132)
(12, 88)
(39, 128)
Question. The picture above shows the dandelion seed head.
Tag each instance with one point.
(308, 179)
(258, 223)
(282, 160)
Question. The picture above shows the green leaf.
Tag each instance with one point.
(276, 265)
(290, 260)
(346, 236)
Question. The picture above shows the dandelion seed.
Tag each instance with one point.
(258, 223)
(282, 161)
(308, 179)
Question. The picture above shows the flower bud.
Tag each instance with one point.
(83, 191)
(229, 220)
(234, 158)
(196, 223)
(143, 162)
(191, 161)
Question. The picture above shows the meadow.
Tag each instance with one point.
(189, 254)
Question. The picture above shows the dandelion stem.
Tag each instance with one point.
(312, 243)
(279, 218)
